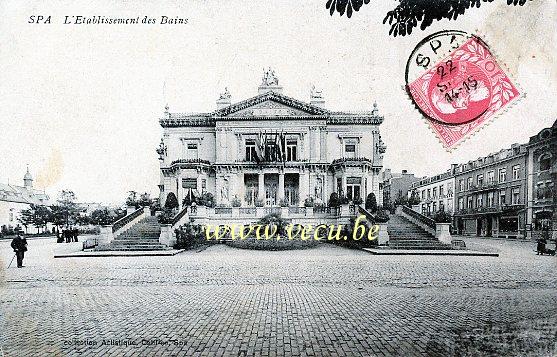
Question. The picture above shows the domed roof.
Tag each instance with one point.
(28, 175)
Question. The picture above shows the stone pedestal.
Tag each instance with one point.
(130, 210)
(383, 234)
(442, 233)
(106, 235)
(167, 236)
(309, 211)
(284, 212)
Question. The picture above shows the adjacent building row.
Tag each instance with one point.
(510, 193)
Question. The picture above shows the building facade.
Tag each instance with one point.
(491, 194)
(14, 199)
(436, 193)
(396, 186)
(541, 210)
(270, 150)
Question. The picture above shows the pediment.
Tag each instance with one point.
(270, 104)
(269, 108)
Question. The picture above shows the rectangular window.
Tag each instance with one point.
(490, 199)
(339, 186)
(516, 196)
(461, 185)
(516, 172)
(480, 201)
(423, 195)
(350, 150)
(441, 206)
(291, 150)
(435, 192)
(502, 197)
(469, 183)
(251, 154)
(204, 185)
(470, 202)
(503, 174)
(441, 191)
(434, 207)
(189, 183)
(192, 151)
(490, 177)
(353, 186)
(480, 179)
(461, 203)
(429, 193)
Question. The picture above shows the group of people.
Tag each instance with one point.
(68, 235)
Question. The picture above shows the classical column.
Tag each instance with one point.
(303, 187)
(261, 187)
(281, 186)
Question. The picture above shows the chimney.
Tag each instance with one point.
(224, 99)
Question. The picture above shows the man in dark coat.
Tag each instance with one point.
(19, 245)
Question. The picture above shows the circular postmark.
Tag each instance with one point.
(448, 77)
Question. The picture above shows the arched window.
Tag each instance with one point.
(545, 162)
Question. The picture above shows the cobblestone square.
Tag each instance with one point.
(326, 301)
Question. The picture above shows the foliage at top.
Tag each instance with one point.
(409, 13)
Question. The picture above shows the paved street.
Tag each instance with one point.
(326, 301)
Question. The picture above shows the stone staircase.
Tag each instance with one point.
(144, 235)
(404, 234)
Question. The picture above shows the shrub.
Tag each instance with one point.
(442, 217)
(236, 202)
(358, 201)
(188, 235)
(207, 199)
(259, 202)
(371, 203)
(334, 200)
(309, 202)
(381, 216)
(283, 203)
(171, 201)
(166, 216)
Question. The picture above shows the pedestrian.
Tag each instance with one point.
(19, 245)
(67, 234)
(541, 243)
(75, 232)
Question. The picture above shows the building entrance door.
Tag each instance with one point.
(271, 188)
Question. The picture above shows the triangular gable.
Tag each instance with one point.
(270, 103)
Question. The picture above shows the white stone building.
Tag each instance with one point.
(271, 149)
(436, 193)
(14, 199)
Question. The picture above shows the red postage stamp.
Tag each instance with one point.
(463, 91)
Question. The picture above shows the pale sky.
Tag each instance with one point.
(80, 103)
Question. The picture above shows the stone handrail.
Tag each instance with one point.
(366, 213)
(419, 217)
(179, 216)
(119, 224)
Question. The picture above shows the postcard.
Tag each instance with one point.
(278, 178)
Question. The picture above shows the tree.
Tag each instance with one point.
(101, 217)
(67, 207)
(406, 16)
(371, 203)
(36, 215)
(132, 199)
(26, 217)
